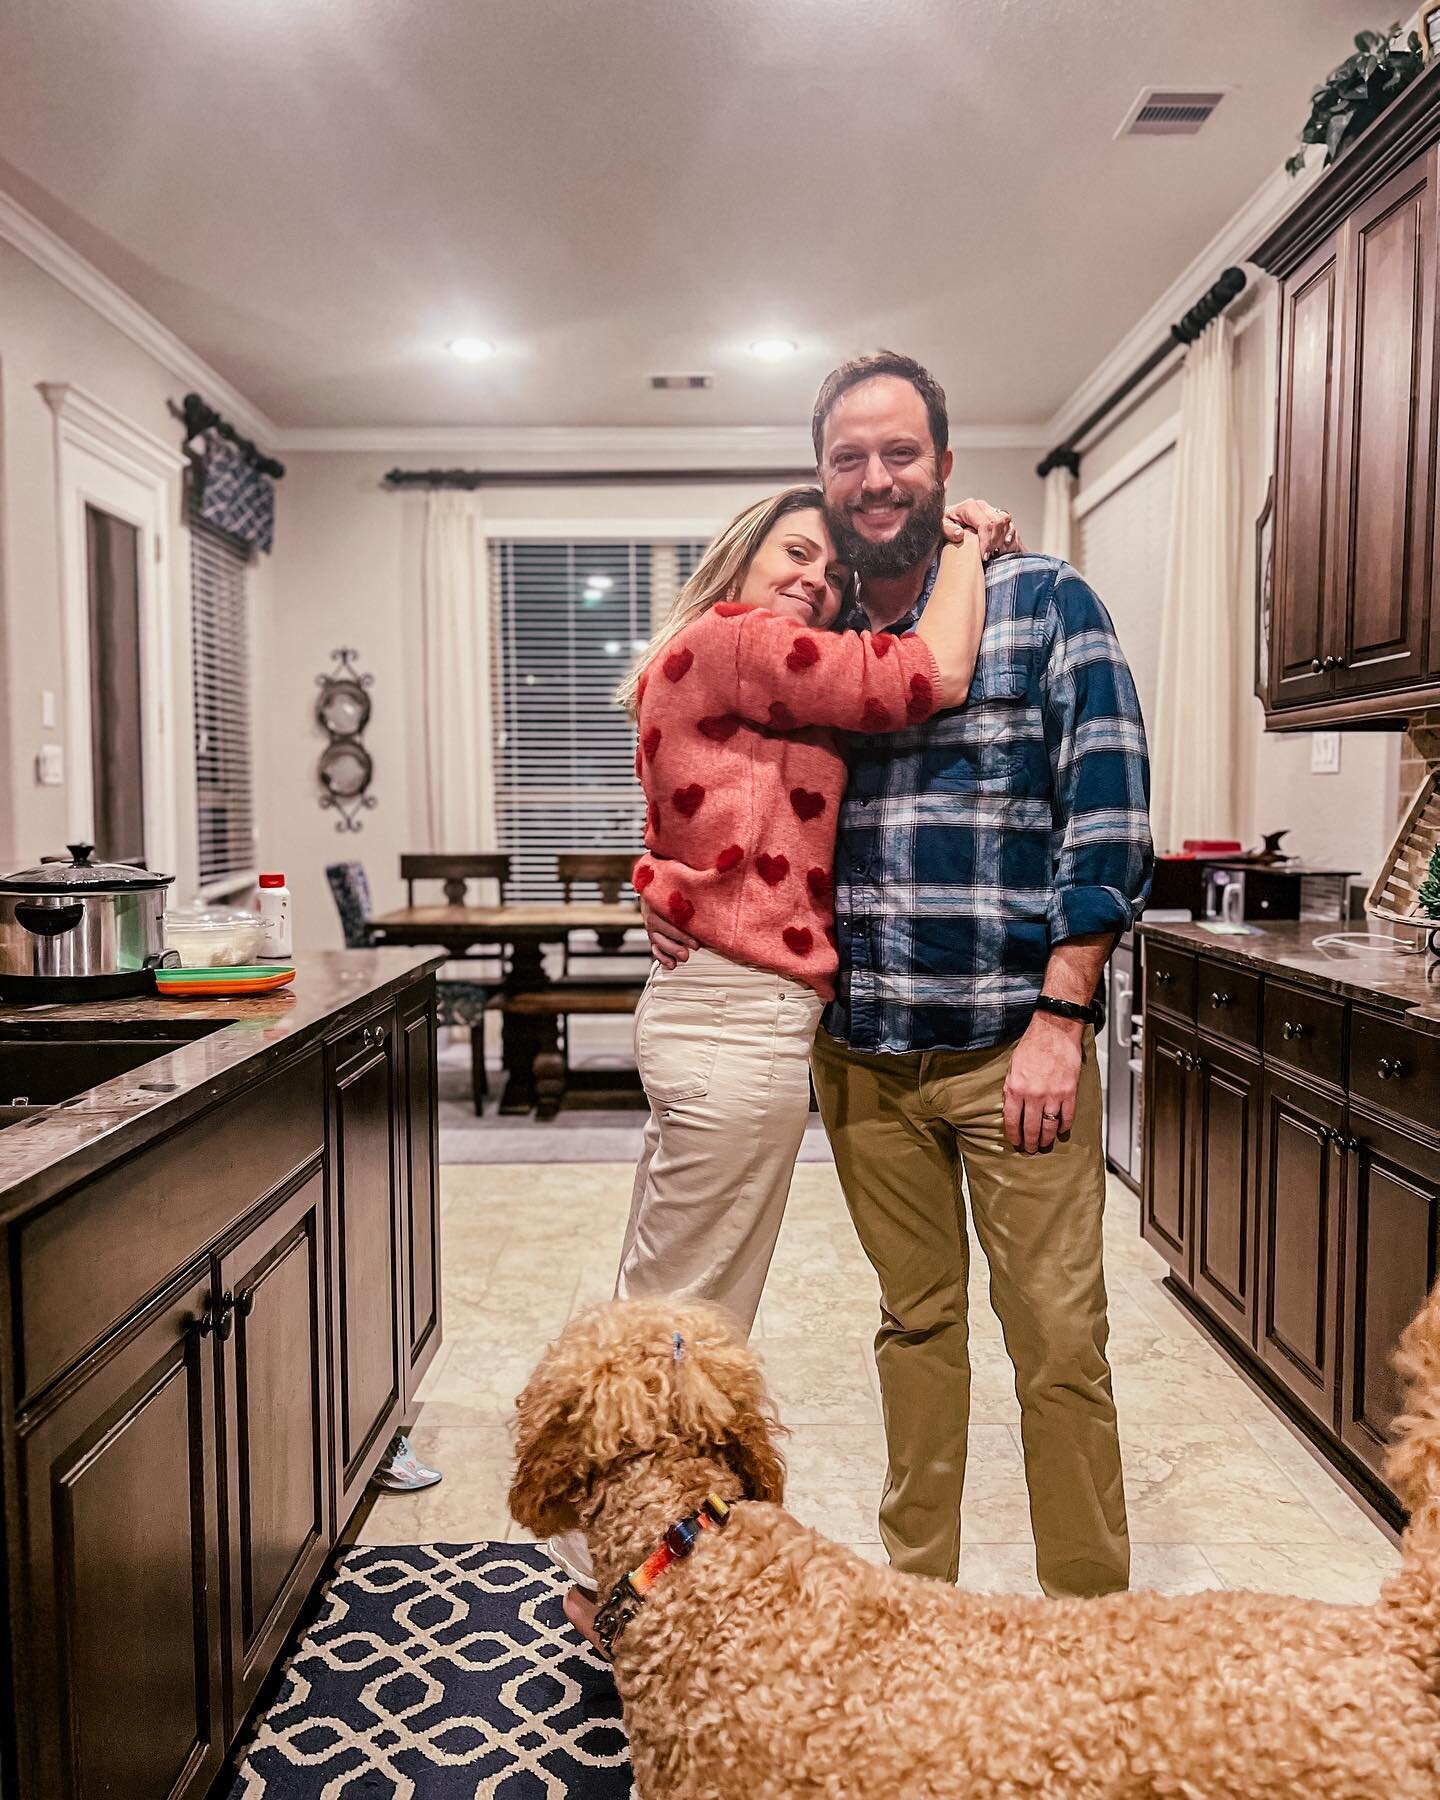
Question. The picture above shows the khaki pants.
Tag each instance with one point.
(724, 1052)
(904, 1128)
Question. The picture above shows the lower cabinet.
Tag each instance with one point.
(1165, 1188)
(1225, 1185)
(419, 1189)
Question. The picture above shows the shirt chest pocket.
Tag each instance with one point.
(990, 736)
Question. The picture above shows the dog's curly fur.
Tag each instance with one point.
(774, 1664)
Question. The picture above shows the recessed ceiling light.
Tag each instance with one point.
(471, 349)
(773, 349)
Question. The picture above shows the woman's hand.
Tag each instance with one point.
(995, 530)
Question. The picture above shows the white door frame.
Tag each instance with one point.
(102, 458)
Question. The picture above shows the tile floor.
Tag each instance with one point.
(1221, 1493)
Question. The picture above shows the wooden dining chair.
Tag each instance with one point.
(456, 872)
(608, 872)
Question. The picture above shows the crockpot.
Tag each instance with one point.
(81, 930)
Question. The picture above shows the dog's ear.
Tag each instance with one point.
(720, 1401)
(552, 1472)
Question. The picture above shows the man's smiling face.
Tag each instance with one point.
(884, 488)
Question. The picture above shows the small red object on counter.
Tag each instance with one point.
(1211, 846)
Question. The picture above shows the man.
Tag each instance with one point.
(986, 863)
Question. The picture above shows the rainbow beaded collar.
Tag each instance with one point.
(631, 1592)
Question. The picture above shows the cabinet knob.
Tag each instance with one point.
(1316, 666)
(1162, 976)
(1292, 1028)
(1219, 997)
(1331, 662)
(1354, 1145)
(1390, 1068)
(220, 1319)
(245, 1305)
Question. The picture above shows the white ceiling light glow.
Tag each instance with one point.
(773, 349)
(471, 349)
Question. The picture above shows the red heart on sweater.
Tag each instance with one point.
(679, 910)
(819, 883)
(643, 876)
(650, 743)
(922, 698)
(772, 870)
(798, 940)
(729, 858)
(721, 728)
(804, 654)
(875, 717)
(678, 663)
(807, 805)
(882, 644)
(688, 800)
(781, 717)
(731, 609)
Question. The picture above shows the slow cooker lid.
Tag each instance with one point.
(81, 875)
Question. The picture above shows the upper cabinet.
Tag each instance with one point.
(1354, 637)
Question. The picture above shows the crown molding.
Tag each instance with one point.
(62, 263)
(598, 446)
(1233, 243)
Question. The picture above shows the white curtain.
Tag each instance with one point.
(455, 619)
(1058, 524)
(1195, 728)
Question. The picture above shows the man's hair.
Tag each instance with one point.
(866, 368)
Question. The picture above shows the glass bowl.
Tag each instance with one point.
(213, 937)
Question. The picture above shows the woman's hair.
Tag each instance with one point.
(720, 573)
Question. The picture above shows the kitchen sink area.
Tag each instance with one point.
(50, 1064)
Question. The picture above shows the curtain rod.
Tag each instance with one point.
(198, 415)
(487, 478)
(1185, 330)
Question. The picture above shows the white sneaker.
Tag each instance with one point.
(402, 1471)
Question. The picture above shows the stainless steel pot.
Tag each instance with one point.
(81, 930)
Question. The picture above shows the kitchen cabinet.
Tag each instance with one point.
(1224, 1184)
(419, 1191)
(1165, 1190)
(1355, 589)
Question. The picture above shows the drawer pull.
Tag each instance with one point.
(1162, 976)
(373, 1036)
(1354, 1145)
(220, 1319)
(1219, 997)
(1292, 1029)
(245, 1305)
(1391, 1069)
(1316, 666)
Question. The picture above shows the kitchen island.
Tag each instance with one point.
(220, 1291)
(1291, 1165)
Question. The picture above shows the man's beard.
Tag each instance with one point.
(913, 543)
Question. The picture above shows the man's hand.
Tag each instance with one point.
(1041, 1086)
(995, 529)
(668, 943)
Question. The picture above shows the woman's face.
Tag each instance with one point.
(794, 572)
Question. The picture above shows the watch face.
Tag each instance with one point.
(345, 770)
(343, 708)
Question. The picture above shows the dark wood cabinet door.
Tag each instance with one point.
(275, 1403)
(1225, 1214)
(1306, 477)
(1392, 1237)
(1383, 523)
(368, 1350)
(419, 1186)
(120, 1680)
(1300, 1222)
(1165, 1182)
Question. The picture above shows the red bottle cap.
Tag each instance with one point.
(272, 881)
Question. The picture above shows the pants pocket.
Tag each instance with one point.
(677, 1039)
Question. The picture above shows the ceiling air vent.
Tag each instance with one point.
(682, 381)
(1170, 112)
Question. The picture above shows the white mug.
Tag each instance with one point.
(1232, 903)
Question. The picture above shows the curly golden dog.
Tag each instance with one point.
(773, 1665)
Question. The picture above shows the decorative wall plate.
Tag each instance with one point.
(342, 711)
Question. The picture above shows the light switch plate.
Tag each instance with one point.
(50, 766)
(1324, 752)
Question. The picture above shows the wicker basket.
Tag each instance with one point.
(1395, 893)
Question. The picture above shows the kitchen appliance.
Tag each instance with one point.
(81, 930)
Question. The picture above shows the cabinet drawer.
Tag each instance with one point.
(1170, 980)
(1227, 1003)
(1396, 1069)
(1304, 1030)
(370, 1034)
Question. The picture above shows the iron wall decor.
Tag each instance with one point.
(342, 713)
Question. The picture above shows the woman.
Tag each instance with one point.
(737, 701)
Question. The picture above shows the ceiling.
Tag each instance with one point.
(316, 194)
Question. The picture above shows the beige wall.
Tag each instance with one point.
(1343, 820)
(346, 573)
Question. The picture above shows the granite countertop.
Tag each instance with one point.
(1408, 985)
(40, 1158)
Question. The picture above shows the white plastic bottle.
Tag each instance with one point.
(273, 905)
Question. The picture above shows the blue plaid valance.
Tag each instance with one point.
(232, 495)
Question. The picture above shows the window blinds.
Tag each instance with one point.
(569, 619)
(224, 788)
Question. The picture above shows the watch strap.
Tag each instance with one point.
(1094, 1014)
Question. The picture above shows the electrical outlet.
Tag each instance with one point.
(1324, 752)
(50, 766)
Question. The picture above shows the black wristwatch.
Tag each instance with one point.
(1094, 1014)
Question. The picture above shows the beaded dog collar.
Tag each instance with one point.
(631, 1592)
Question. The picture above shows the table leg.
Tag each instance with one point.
(524, 1036)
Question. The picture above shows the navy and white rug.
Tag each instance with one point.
(441, 1672)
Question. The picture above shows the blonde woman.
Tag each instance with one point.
(737, 702)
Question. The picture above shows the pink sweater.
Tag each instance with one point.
(744, 778)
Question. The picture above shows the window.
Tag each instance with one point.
(569, 619)
(224, 789)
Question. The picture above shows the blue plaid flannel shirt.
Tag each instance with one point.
(973, 844)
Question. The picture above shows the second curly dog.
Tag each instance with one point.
(765, 1661)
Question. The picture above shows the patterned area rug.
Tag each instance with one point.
(440, 1672)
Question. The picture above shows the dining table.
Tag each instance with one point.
(526, 930)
